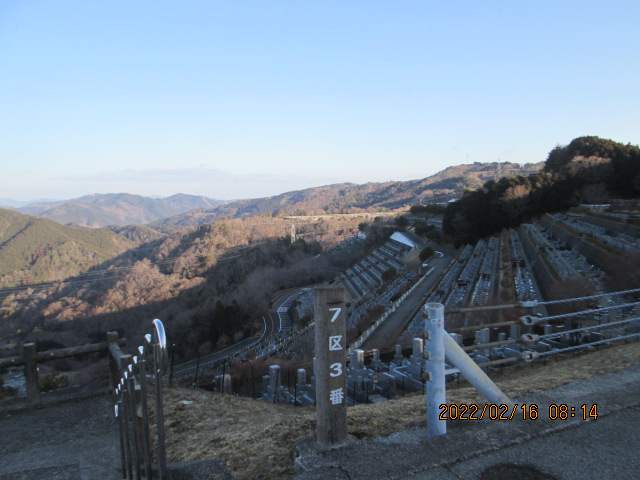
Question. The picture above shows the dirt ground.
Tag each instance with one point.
(256, 439)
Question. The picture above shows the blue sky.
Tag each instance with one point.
(236, 99)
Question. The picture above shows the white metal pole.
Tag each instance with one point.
(436, 393)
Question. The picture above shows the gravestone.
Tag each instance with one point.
(514, 332)
(416, 362)
(398, 359)
(376, 364)
(482, 336)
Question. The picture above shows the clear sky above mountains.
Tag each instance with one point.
(246, 99)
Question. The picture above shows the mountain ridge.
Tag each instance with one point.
(101, 210)
(179, 210)
(355, 198)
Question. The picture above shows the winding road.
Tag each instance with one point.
(384, 337)
(271, 326)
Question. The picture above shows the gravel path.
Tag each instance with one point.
(73, 441)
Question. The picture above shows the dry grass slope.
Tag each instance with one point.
(256, 439)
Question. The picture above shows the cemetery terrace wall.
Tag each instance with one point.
(613, 225)
(596, 254)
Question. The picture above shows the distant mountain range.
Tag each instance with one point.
(166, 214)
(101, 210)
(10, 203)
(48, 241)
(349, 197)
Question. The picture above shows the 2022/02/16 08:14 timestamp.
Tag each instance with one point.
(525, 411)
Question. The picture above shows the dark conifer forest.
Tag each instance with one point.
(588, 170)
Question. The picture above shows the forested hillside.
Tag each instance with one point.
(210, 284)
(34, 250)
(588, 170)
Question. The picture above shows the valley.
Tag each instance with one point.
(213, 279)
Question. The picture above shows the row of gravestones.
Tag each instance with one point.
(375, 382)
(380, 381)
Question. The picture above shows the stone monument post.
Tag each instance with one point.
(331, 373)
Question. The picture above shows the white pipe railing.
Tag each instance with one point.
(473, 373)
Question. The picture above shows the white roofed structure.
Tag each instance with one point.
(407, 239)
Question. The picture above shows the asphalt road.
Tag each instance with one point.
(189, 368)
(273, 321)
(271, 326)
(386, 334)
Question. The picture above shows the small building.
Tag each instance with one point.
(409, 239)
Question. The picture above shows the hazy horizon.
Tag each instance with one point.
(246, 100)
(212, 197)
